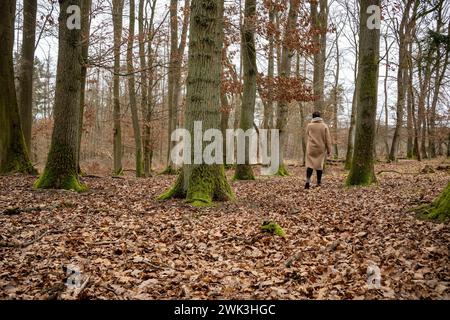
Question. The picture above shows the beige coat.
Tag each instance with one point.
(318, 143)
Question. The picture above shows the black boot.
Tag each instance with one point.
(319, 177)
(309, 173)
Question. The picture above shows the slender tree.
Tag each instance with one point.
(406, 25)
(245, 171)
(13, 150)
(132, 92)
(172, 119)
(362, 167)
(203, 183)
(319, 20)
(61, 168)
(285, 71)
(26, 69)
(117, 10)
(85, 34)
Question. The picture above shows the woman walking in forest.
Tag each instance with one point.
(318, 146)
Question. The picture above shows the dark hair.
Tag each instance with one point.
(316, 114)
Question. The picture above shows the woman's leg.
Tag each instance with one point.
(319, 177)
(309, 173)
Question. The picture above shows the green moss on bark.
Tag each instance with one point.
(205, 184)
(48, 180)
(244, 172)
(438, 210)
(361, 177)
(282, 171)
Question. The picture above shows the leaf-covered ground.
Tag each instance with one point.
(130, 246)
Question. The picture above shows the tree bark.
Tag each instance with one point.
(26, 70)
(61, 168)
(320, 24)
(362, 168)
(117, 9)
(13, 150)
(172, 119)
(201, 183)
(245, 171)
(132, 92)
(285, 71)
(402, 79)
(85, 33)
(439, 209)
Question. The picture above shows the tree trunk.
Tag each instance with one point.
(117, 133)
(351, 130)
(268, 110)
(386, 109)
(13, 150)
(285, 71)
(85, 33)
(402, 79)
(245, 171)
(26, 70)
(320, 24)
(336, 103)
(179, 62)
(439, 76)
(202, 183)
(61, 169)
(132, 92)
(362, 168)
(172, 118)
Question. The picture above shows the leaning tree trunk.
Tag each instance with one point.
(61, 169)
(13, 150)
(362, 168)
(201, 183)
(285, 71)
(245, 171)
(132, 92)
(117, 133)
(85, 30)
(26, 70)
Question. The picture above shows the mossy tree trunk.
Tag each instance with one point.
(285, 71)
(85, 37)
(132, 92)
(362, 167)
(201, 184)
(117, 9)
(26, 70)
(61, 168)
(245, 171)
(439, 209)
(13, 150)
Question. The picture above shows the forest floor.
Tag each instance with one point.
(128, 245)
